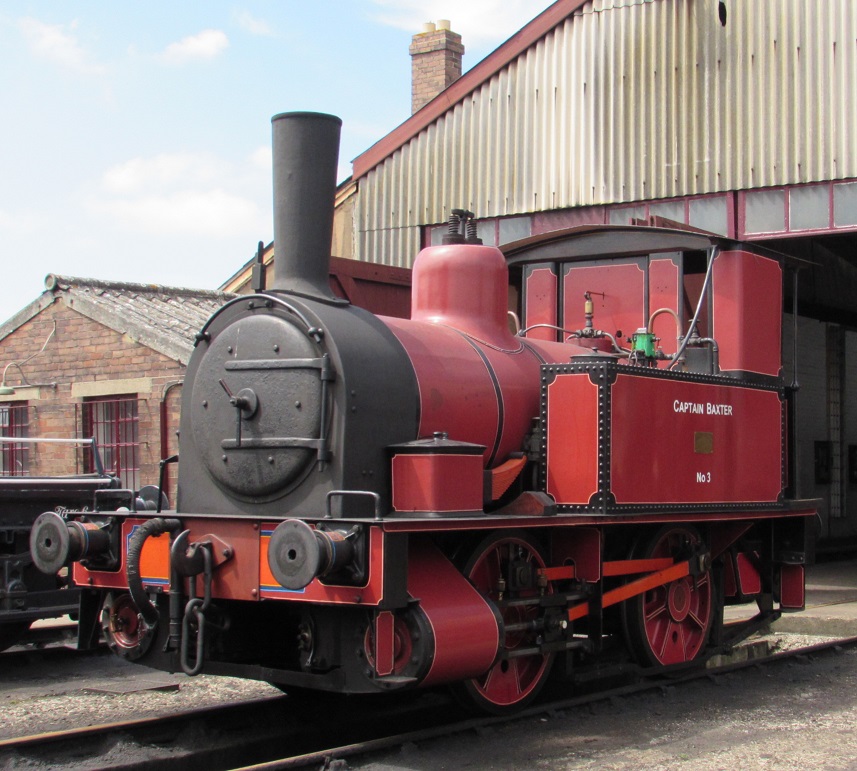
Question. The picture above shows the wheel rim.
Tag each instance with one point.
(676, 618)
(403, 646)
(510, 681)
(124, 629)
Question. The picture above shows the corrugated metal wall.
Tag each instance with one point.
(632, 100)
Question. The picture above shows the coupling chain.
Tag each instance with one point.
(194, 613)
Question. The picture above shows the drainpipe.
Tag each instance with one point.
(164, 430)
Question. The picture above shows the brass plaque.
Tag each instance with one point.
(703, 442)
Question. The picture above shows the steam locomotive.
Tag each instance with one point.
(373, 504)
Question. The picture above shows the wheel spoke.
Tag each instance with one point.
(663, 648)
(696, 620)
(669, 624)
(509, 682)
(503, 685)
(495, 560)
(658, 611)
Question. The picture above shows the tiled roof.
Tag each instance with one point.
(162, 318)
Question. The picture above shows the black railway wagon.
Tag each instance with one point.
(27, 594)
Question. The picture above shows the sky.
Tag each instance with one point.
(135, 137)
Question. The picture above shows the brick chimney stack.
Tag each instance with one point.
(435, 62)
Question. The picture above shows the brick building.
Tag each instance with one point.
(103, 359)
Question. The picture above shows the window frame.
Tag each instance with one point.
(12, 453)
(830, 187)
(119, 451)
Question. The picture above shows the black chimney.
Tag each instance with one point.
(305, 152)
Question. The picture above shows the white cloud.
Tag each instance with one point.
(145, 174)
(479, 22)
(55, 43)
(18, 223)
(204, 45)
(186, 194)
(262, 159)
(209, 213)
(253, 25)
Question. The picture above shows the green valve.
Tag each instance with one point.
(643, 342)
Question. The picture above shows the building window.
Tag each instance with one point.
(669, 210)
(845, 204)
(765, 211)
(814, 208)
(14, 456)
(710, 213)
(809, 208)
(493, 232)
(625, 215)
(512, 229)
(114, 422)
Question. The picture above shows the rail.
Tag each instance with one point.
(251, 735)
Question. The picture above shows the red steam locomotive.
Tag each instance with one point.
(372, 504)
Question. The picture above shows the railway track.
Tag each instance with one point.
(48, 635)
(46, 644)
(16, 659)
(292, 732)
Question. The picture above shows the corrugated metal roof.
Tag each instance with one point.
(470, 81)
(628, 100)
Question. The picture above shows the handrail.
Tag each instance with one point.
(91, 441)
(46, 440)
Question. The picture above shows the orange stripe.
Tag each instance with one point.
(629, 567)
(622, 593)
(558, 574)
